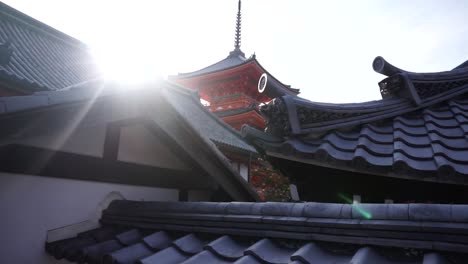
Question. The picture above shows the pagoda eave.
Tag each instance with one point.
(250, 117)
(250, 66)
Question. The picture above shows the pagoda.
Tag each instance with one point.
(231, 87)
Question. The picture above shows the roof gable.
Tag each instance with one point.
(196, 162)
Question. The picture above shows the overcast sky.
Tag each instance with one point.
(325, 48)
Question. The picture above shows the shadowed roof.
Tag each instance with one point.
(175, 110)
(419, 130)
(204, 232)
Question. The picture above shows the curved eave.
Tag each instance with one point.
(236, 111)
(250, 117)
(213, 68)
(403, 93)
(285, 89)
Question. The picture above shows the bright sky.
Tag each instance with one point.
(325, 48)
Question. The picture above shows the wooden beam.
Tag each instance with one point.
(111, 142)
(29, 160)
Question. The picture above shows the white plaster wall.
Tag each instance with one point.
(138, 145)
(84, 139)
(242, 168)
(32, 205)
(244, 171)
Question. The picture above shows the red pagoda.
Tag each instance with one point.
(232, 88)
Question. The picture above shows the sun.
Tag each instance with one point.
(128, 46)
(127, 62)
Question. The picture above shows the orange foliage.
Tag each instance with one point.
(269, 183)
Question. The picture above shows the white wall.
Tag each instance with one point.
(138, 145)
(244, 171)
(32, 205)
(84, 139)
(242, 168)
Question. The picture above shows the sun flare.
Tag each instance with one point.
(128, 63)
(129, 46)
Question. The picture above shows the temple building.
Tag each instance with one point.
(100, 172)
(231, 90)
(230, 86)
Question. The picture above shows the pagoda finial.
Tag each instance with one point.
(237, 41)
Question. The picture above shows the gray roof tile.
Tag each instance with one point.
(423, 136)
(158, 240)
(169, 255)
(397, 233)
(206, 257)
(311, 253)
(42, 58)
(323, 210)
(204, 122)
(248, 260)
(129, 237)
(189, 244)
(268, 252)
(227, 247)
(95, 253)
(129, 254)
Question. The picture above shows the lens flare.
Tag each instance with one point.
(356, 206)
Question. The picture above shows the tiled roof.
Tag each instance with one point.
(37, 57)
(236, 111)
(174, 110)
(234, 59)
(419, 130)
(201, 232)
(187, 103)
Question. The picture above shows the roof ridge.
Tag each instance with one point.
(402, 92)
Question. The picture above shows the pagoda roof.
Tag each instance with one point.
(237, 111)
(237, 59)
(37, 57)
(234, 59)
(419, 130)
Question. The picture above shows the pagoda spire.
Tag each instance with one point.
(237, 40)
(237, 52)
